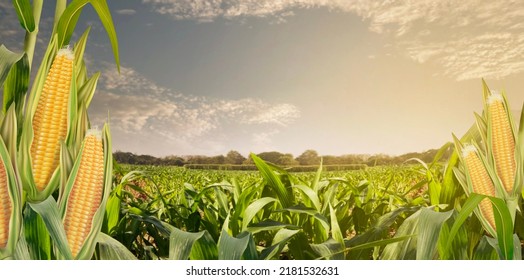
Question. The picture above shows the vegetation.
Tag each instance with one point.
(308, 158)
(62, 196)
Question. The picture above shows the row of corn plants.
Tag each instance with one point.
(271, 214)
(55, 169)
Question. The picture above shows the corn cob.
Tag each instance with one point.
(86, 194)
(503, 142)
(5, 207)
(50, 119)
(481, 182)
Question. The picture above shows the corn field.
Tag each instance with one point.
(63, 197)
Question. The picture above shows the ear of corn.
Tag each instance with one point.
(5, 206)
(10, 204)
(50, 119)
(502, 141)
(481, 182)
(82, 200)
(86, 193)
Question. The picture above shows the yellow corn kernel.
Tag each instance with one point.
(50, 118)
(5, 207)
(481, 182)
(86, 194)
(503, 142)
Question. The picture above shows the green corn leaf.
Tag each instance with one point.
(7, 60)
(315, 186)
(48, 210)
(25, 14)
(68, 20)
(112, 214)
(469, 206)
(251, 252)
(484, 250)
(87, 90)
(79, 50)
(335, 228)
(430, 223)
(301, 209)
(464, 241)
(111, 249)
(22, 249)
(15, 195)
(311, 194)
(406, 249)
(504, 224)
(205, 248)
(181, 243)
(253, 208)
(231, 248)
(284, 194)
(15, 87)
(8, 132)
(279, 242)
(36, 236)
(330, 250)
(269, 225)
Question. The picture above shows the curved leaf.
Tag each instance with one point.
(25, 14)
(111, 249)
(253, 209)
(68, 20)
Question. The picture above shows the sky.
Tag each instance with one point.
(337, 76)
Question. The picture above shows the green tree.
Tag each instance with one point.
(309, 157)
(234, 157)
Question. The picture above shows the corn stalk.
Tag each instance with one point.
(47, 146)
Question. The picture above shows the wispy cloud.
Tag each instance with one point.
(140, 110)
(127, 12)
(468, 39)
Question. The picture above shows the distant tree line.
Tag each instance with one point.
(307, 158)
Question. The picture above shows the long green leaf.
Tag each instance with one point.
(25, 14)
(284, 194)
(430, 223)
(311, 194)
(335, 228)
(69, 19)
(231, 248)
(331, 250)
(36, 236)
(112, 214)
(253, 209)
(279, 242)
(504, 224)
(48, 210)
(15, 87)
(7, 60)
(485, 251)
(405, 250)
(268, 225)
(181, 243)
(469, 206)
(111, 249)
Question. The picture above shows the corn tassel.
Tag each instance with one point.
(503, 142)
(481, 182)
(50, 119)
(86, 194)
(5, 207)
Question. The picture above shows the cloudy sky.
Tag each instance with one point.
(337, 76)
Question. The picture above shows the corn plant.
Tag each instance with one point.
(241, 215)
(487, 165)
(48, 148)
